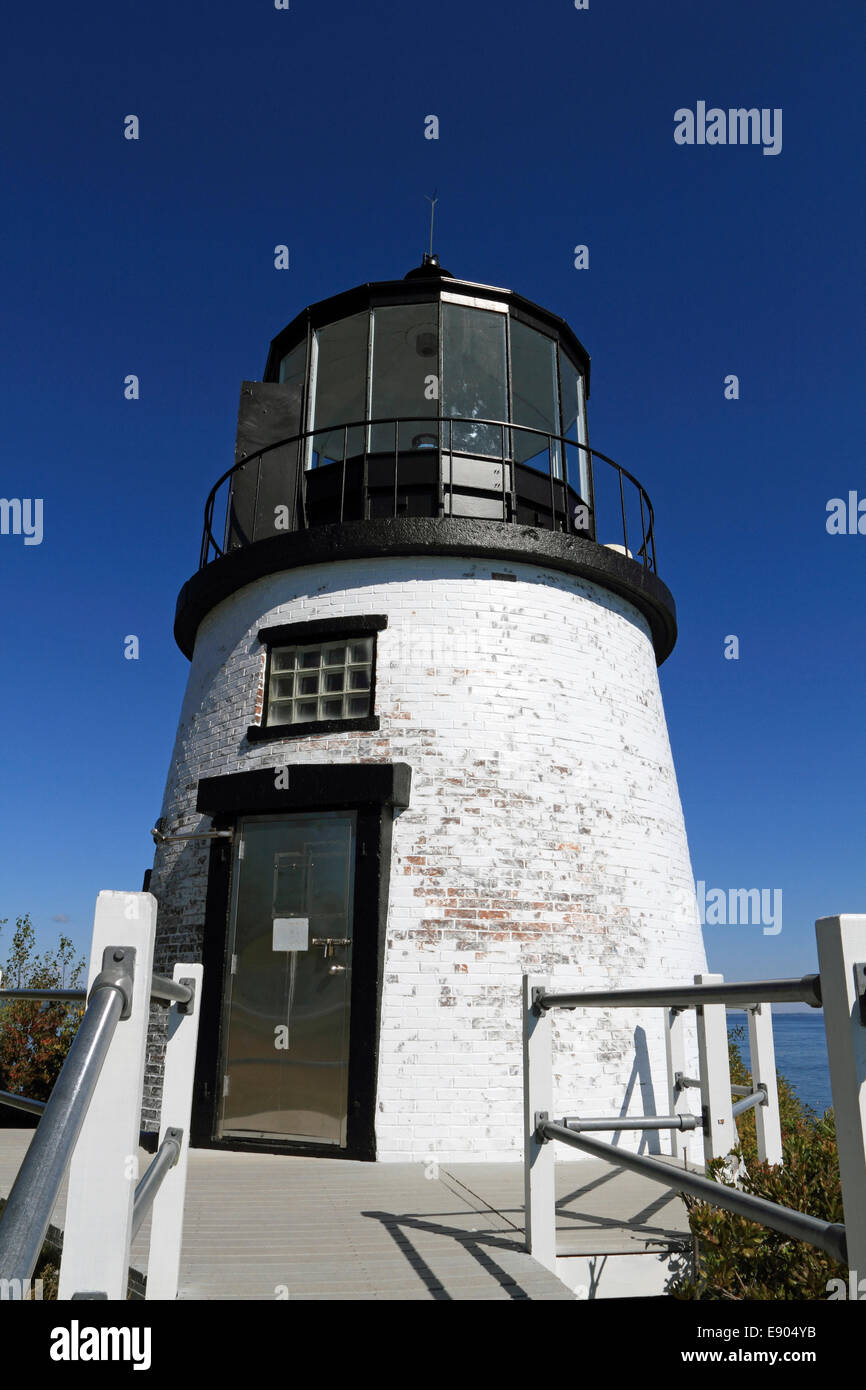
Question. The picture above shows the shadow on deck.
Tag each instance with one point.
(261, 1226)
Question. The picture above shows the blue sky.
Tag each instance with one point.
(306, 127)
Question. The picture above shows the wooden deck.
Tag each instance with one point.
(265, 1227)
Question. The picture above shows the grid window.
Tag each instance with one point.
(327, 680)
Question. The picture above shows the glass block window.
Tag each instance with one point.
(323, 680)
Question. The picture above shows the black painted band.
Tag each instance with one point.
(320, 629)
(404, 536)
(311, 786)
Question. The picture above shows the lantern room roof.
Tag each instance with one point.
(423, 284)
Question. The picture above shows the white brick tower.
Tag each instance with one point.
(422, 748)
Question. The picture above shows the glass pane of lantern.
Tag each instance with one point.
(534, 397)
(362, 651)
(280, 712)
(335, 656)
(340, 391)
(293, 365)
(305, 710)
(358, 705)
(281, 688)
(405, 357)
(574, 424)
(585, 456)
(283, 660)
(473, 377)
(309, 660)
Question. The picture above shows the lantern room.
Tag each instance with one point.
(424, 397)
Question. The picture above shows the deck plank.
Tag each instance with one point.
(263, 1226)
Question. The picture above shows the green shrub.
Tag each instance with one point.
(739, 1259)
(35, 1035)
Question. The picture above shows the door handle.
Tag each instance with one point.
(330, 942)
(337, 970)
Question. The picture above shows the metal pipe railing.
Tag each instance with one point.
(90, 1123)
(684, 1121)
(749, 1102)
(162, 1162)
(33, 1107)
(52, 995)
(824, 1235)
(806, 990)
(161, 839)
(163, 988)
(34, 1192)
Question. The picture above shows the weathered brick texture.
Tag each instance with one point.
(545, 832)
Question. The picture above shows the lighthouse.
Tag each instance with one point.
(422, 749)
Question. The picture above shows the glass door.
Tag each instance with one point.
(285, 1062)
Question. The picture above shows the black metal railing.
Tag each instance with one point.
(430, 466)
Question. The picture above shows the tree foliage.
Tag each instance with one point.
(739, 1259)
(35, 1035)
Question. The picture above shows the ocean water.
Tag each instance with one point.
(801, 1054)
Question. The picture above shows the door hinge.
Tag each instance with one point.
(860, 986)
(226, 1084)
(240, 849)
(234, 969)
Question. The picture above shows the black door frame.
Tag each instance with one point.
(376, 791)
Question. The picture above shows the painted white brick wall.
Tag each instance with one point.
(545, 832)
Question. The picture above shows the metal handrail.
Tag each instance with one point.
(539, 999)
(161, 987)
(53, 995)
(642, 1122)
(562, 442)
(37, 1183)
(756, 1097)
(160, 1165)
(92, 1116)
(34, 1192)
(796, 1225)
(806, 990)
(33, 1107)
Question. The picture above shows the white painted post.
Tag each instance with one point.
(104, 1165)
(676, 1058)
(841, 947)
(538, 1159)
(166, 1231)
(720, 1133)
(762, 1063)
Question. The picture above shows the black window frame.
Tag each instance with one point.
(321, 630)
